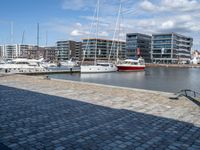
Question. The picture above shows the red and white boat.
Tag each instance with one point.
(131, 65)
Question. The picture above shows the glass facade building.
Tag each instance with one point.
(103, 48)
(137, 45)
(171, 48)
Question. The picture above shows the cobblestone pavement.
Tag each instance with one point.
(51, 114)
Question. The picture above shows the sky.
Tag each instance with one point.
(72, 19)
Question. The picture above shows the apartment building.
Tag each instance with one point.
(68, 49)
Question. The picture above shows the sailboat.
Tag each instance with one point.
(97, 67)
(127, 64)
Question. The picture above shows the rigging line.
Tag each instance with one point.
(97, 33)
(89, 34)
(116, 25)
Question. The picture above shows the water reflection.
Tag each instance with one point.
(161, 79)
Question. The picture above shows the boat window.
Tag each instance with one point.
(141, 62)
(102, 64)
(22, 63)
(134, 63)
(32, 65)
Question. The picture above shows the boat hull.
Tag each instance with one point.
(97, 69)
(130, 68)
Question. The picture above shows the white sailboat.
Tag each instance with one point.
(97, 67)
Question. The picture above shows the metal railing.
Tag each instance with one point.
(192, 95)
(189, 93)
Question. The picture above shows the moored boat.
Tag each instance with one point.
(69, 63)
(131, 65)
(98, 68)
(22, 66)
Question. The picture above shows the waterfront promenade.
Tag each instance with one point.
(37, 113)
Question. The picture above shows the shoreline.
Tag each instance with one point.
(113, 86)
(173, 65)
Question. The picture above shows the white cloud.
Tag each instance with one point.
(77, 4)
(170, 5)
(182, 5)
(78, 24)
(168, 24)
(145, 16)
(104, 34)
(147, 5)
(76, 33)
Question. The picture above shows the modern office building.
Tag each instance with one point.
(103, 48)
(171, 48)
(137, 45)
(68, 49)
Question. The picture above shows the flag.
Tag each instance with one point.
(138, 51)
(99, 52)
(162, 50)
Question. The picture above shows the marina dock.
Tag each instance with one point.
(37, 113)
(51, 72)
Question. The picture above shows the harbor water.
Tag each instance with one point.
(158, 79)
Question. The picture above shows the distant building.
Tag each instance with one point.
(77, 53)
(137, 45)
(25, 51)
(171, 48)
(50, 53)
(9, 51)
(68, 49)
(2, 52)
(104, 49)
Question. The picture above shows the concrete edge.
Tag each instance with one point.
(102, 85)
(115, 87)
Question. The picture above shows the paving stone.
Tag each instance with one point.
(41, 114)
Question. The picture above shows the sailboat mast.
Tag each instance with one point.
(38, 32)
(88, 38)
(11, 32)
(97, 33)
(117, 25)
(23, 37)
(46, 38)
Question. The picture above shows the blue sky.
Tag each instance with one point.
(71, 19)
